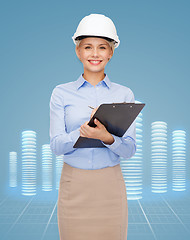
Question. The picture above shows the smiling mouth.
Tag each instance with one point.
(95, 62)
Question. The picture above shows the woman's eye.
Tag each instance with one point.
(100, 47)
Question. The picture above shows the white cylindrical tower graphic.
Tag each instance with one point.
(159, 157)
(46, 168)
(59, 166)
(132, 168)
(12, 169)
(178, 160)
(28, 163)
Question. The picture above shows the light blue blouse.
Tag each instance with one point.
(69, 110)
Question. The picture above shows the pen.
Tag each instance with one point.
(91, 107)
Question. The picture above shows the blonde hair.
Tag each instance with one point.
(111, 44)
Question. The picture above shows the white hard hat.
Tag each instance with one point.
(97, 25)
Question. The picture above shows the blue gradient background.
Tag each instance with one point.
(37, 53)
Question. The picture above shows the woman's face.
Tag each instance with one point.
(94, 53)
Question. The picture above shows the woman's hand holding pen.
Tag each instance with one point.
(99, 132)
(93, 112)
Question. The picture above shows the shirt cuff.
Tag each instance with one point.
(115, 144)
(74, 135)
(128, 138)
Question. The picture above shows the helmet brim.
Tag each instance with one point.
(86, 36)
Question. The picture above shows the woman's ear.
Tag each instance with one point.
(77, 51)
(111, 54)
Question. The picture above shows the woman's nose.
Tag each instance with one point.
(95, 52)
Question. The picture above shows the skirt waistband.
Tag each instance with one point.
(78, 173)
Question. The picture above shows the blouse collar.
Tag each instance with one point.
(80, 81)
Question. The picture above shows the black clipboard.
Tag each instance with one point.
(116, 117)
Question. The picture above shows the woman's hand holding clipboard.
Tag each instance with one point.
(116, 117)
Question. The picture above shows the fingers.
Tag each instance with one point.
(82, 131)
(85, 130)
(93, 112)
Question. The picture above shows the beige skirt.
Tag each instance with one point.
(92, 204)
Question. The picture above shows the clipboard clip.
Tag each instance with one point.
(123, 103)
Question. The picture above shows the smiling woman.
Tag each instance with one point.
(92, 200)
(94, 53)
